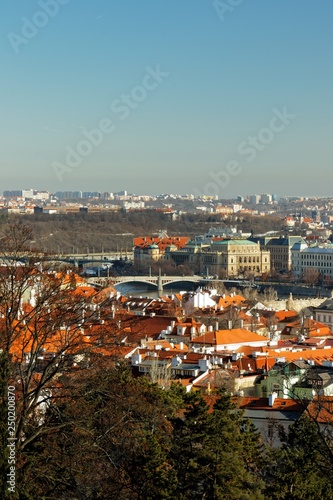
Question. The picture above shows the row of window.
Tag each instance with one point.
(316, 257)
(249, 268)
(244, 259)
(325, 318)
(319, 265)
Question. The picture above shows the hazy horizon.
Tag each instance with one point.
(175, 97)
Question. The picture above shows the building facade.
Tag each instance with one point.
(307, 259)
(238, 257)
(234, 256)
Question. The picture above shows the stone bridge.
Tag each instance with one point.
(158, 281)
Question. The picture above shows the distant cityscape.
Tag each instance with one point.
(27, 201)
(297, 237)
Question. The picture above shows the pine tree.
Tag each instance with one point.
(297, 470)
(189, 434)
(218, 452)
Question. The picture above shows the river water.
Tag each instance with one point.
(142, 290)
(283, 290)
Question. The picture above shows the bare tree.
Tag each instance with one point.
(160, 372)
(269, 294)
(41, 335)
(311, 276)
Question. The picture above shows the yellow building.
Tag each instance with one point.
(236, 257)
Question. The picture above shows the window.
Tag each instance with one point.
(270, 430)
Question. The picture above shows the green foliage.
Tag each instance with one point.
(298, 470)
(112, 442)
(125, 438)
(214, 453)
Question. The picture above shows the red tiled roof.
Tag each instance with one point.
(321, 410)
(225, 337)
(162, 243)
(262, 404)
(285, 315)
(229, 300)
(313, 328)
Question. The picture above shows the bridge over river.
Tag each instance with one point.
(158, 281)
(283, 289)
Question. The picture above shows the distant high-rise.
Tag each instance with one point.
(254, 199)
(316, 215)
(266, 198)
(12, 194)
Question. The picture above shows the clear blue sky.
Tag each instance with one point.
(225, 78)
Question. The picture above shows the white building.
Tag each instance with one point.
(304, 258)
(324, 313)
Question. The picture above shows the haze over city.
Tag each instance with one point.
(167, 96)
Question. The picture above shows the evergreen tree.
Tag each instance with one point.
(218, 453)
(298, 469)
(188, 438)
(114, 441)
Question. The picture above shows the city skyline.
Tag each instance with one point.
(24, 192)
(176, 98)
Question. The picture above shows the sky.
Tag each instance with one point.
(179, 96)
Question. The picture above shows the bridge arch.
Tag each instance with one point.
(131, 280)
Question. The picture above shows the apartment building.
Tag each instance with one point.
(324, 313)
(306, 258)
(280, 251)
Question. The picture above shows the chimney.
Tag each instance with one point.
(271, 398)
(192, 332)
(229, 325)
(176, 361)
(241, 323)
(136, 359)
(204, 364)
